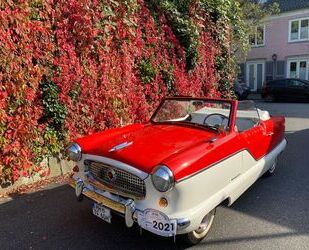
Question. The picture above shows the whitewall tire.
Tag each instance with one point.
(199, 234)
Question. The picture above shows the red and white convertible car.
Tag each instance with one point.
(168, 175)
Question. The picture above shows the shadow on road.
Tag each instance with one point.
(53, 219)
(248, 239)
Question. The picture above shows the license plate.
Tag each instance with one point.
(102, 212)
(157, 222)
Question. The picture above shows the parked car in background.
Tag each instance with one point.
(168, 175)
(286, 89)
(241, 89)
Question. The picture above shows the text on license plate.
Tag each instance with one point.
(102, 212)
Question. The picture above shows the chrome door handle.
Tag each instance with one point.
(269, 134)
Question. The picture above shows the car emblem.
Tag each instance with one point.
(111, 175)
(120, 146)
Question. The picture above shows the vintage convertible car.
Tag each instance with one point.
(168, 175)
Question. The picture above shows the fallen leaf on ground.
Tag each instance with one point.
(24, 189)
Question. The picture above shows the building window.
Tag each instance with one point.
(298, 68)
(258, 38)
(299, 30)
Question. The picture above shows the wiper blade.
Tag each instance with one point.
(200, 125)
(211, 127)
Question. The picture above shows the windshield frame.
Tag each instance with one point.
(195, 125)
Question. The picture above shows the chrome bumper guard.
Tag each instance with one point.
(126, 207)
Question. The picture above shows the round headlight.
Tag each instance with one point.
(162, 178)
(74, 152)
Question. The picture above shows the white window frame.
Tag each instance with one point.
(299, 30)
(255, 45)
(297, 60)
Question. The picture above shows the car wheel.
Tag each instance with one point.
(272, 169)
(199, 234)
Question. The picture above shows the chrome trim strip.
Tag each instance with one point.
(120, 146)
(229, 156)
(116, 164)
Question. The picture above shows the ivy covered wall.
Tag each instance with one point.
(70, 67)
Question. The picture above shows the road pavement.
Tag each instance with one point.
(272, 214)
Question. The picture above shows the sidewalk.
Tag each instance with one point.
(254, 96)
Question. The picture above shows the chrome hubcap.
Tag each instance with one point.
(204, 226)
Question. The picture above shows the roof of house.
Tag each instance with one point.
(290, 5)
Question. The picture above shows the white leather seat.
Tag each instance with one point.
(264, 115)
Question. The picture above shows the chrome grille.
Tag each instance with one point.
(117, 179)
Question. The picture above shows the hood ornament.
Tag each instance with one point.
(120, 146)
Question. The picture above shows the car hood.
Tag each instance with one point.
(144, 146)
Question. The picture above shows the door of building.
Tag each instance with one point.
(255, 75)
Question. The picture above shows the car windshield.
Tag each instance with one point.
(210, 114)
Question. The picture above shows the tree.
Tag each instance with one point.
(236, 21)
(252, 13)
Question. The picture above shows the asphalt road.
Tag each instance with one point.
(272, 214)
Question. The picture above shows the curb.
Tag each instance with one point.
(57, 168)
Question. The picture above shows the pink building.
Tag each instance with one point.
(280, 48)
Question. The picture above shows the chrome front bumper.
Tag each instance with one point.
(124, 207)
